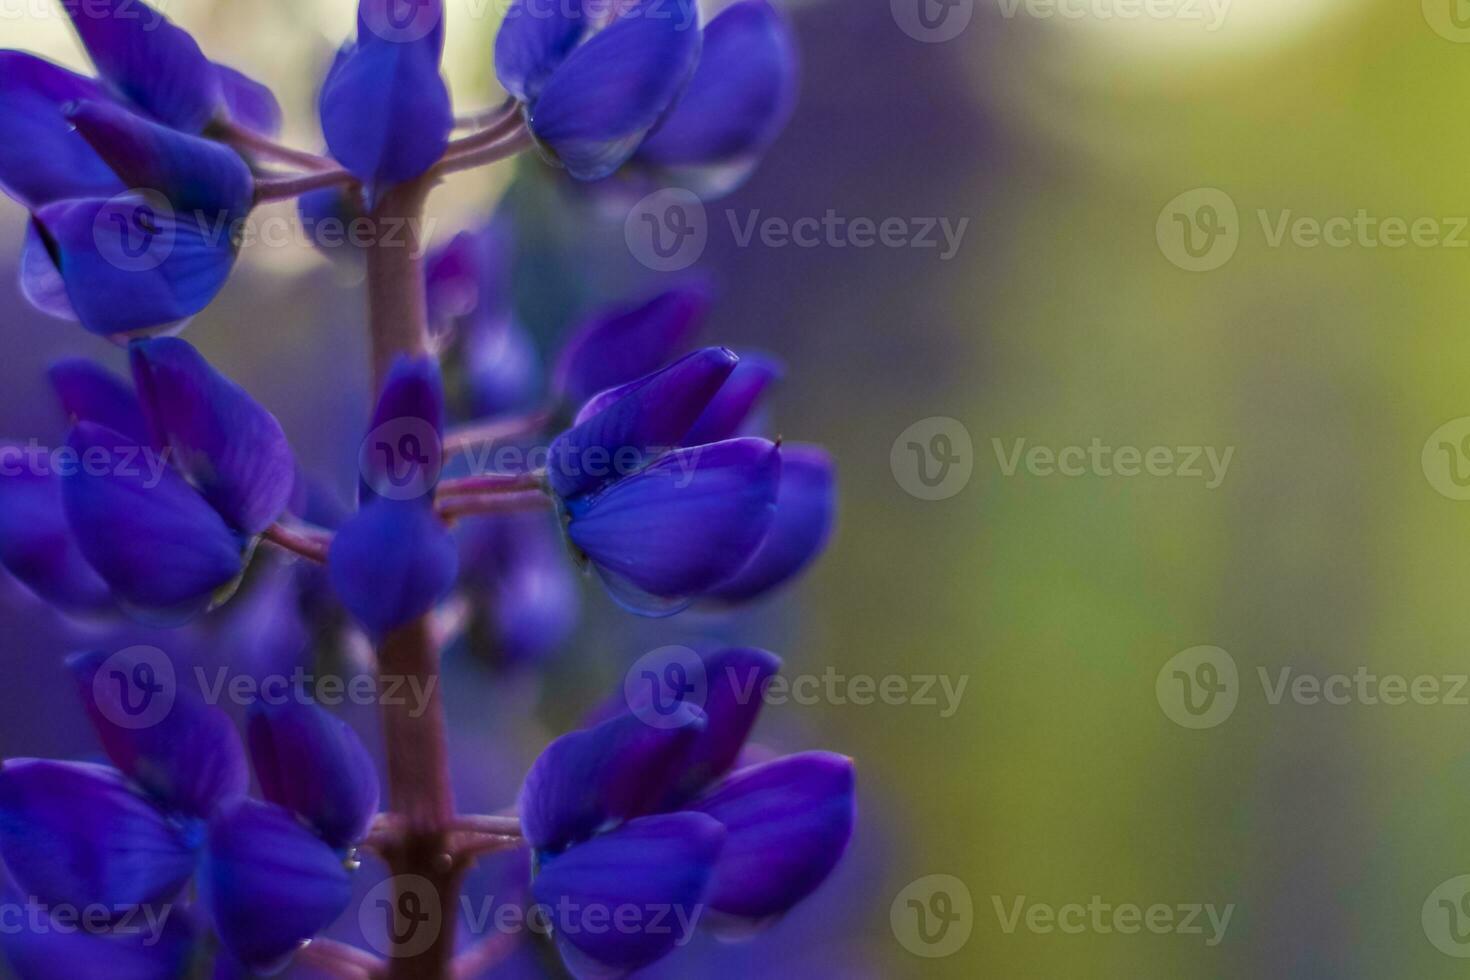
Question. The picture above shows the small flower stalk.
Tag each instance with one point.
(504, 481)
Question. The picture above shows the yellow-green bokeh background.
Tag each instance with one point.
(1326, 549)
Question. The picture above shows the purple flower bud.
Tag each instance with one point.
(517, 566)
(392, 562)
(89, 392)
(618, 429)
(683, 525)
(313, 764)
(220, 438)
(37, 546)
(384, 108)
(624, 343)
(591, 94)
(269, 883)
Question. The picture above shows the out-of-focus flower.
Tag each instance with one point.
(635, 815)
(594, 80)
(516, 569)
(384, 107)
(164, 492)
(271, 875)
(394, 559)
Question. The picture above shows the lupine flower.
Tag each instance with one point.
(394, 559)
(740, 98)
(133, 214)
(516, 567)
(643, 812)
(174, 809)
(170, 484)
(593, 82)
(384, 107)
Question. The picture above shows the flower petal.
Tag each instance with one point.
(518, 563)
(384, 108)
(741, 96)
(190, 759)
(331, 218)
(402, 455)
(130, 263)
(687, 522)
(195, 175)
(734, 691)
(649, 877)
(646, 417)
(40, 281)
(156, 943)
(249, 103)
(269, 883)
(620, 769)
(89, 392)
(604, 98)
(313, 764)
(788, 823)
(76, 834)
(806, 509)
(148, 59)
(731, 412)
(42, 158)
(392, 562)
(622, 344)
(149, 534)
(533, 41)
(37, 546)
(220, 438)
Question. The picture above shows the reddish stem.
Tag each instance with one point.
(495, 503)
(309, 543)
(498, 430)
(281, 188)
(491, 483)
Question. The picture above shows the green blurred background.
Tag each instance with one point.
(1326, 549)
